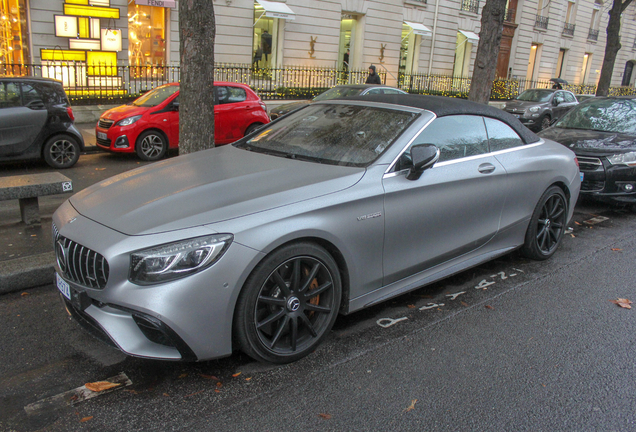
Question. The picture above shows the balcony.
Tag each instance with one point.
(568, 29)
(471, 6)
(509, 16)
(592, 35)
(541, 22)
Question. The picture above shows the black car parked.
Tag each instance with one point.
(537, 108)
(36, 121)
(602, 133)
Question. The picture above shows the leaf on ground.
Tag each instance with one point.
(132, 391)
(166, 395)
(236, 374)
(624, 303)
(85, 419)
(99, 386)
(572, 235)
(577, 223)
(325, 416)
(210, 377)
(219, 384)
(100, 169)
(183, 375)
(489, 307)
(412, 406)
(193, 394)
(463, 303)
(247, 379)
(617, 250)
(217, 391)
(25, 294)
(410, 306)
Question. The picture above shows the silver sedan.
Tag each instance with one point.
(343, 204)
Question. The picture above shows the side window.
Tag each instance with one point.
(9, 95)
(569, 97)
(559, 96)
(375, 91)
(456, 136)
(392, 91)
(501, 136)
(51, 94)
(29, 94)
(236, 94)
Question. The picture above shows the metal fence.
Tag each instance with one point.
(89, 85)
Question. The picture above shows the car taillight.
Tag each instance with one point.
(263, 106)
(69, 111)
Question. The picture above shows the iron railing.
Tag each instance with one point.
(592, 34)
(541, 22)
(568, 29)
(471, 6)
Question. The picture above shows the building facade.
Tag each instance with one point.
(542, 38)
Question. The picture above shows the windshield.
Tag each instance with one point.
(338, 92)
(156, 96)
(535, 96)
(605, 115)
(335, 134)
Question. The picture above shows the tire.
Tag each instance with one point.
(251, 128)
(61, 151)
(280, 316)
(547, 225)
(545, 122)
(151, 145)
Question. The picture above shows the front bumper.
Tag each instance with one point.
(115, 139)
(185, 319)
(607, 182)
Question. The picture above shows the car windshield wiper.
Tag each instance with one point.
(304, 158)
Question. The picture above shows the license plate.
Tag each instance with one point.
(64, 288)
(101, 135)
(581, 176)
(517, 115)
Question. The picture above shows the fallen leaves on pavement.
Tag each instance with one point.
(210, 377)
(100, 386)
(624, 303)
(325, 416)
(236, 374)
(85, 419)
(489, 307)
(412, 406)
(617, 249)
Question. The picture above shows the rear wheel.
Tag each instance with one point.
(251, 128)
(61, 151)
(547, 225)
(151, 146)
(289, 304)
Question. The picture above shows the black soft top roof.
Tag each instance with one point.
(445, 106)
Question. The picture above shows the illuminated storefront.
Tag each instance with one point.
(14, 46)
(146, 34)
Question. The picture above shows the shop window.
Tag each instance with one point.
(409, 50)
(560, 62)
(533, 62)
(14, 45)
(463, 51)
(265, 39)
(348, 24)
(146, 35)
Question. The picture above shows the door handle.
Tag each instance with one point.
(486, 168)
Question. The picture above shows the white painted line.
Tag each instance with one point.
(454, 296)
(390, 321)
(76, 395)
(431, 306)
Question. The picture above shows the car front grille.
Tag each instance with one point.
(105, 123)
(589, 163)
(592, 186)
(80, 264)
(103, 142)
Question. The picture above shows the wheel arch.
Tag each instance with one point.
(52, 135)
(152, 129)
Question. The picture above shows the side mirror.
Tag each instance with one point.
(424, 156)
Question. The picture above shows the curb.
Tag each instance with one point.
(28, 272)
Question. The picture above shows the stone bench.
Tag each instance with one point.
(27, 188)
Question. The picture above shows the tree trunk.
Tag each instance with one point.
(612, 46)
(196, 98)
(492, 17)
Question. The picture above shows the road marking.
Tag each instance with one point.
(454, 296)
(76, 395)
(431, 306)
(391, 321)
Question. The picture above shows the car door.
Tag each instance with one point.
(230, 114)
(561, 108)
(19, 124)
(452, 209)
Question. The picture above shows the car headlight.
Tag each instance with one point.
(128, 121)
(534, 109)
(176, 260)
(628, 159)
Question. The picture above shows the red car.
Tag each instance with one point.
(150, 124)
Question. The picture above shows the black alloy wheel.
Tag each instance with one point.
(547, 225)
(289, 304)
(545, 122)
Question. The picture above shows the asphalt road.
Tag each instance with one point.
(527, 346)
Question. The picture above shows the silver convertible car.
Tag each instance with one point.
(259, 245)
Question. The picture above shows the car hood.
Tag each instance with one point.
(587, 141)
(206, 187)
(523, 105)
(123, 111)
(285, 108)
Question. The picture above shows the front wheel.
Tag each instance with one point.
(547, 225)
(288, 304)
(151, 146)
(545, 122)
(61, 151)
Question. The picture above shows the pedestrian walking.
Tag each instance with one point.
(373, 77)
